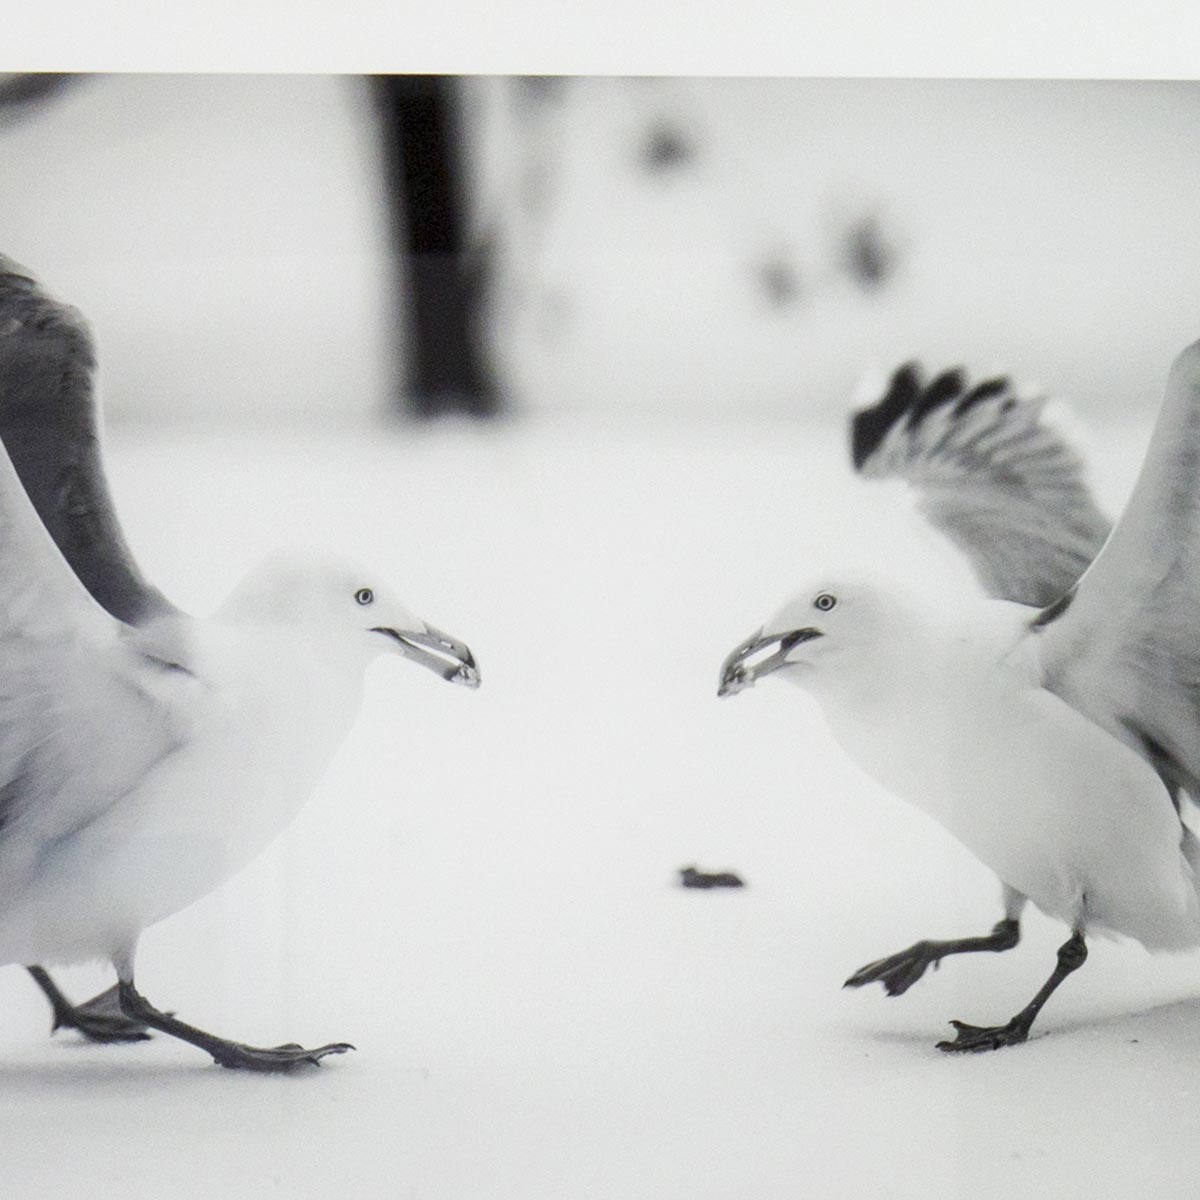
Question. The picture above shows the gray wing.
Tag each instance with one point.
(49, 425)
(1003, 486)
(87, 704)
(1125, 648)
(80, 726)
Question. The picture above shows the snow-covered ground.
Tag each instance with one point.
(482, 895)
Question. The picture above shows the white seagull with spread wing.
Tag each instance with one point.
(1052, 725)
(145, 755)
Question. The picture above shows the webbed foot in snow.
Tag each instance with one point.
(974, 1039)
(99, 1019)
(274, 1059)
(235, 1055)
(1072, 954)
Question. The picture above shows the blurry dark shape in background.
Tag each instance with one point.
(24, 93)
(693, 877)
(780, 281)
(447, 278)
(870, 256)
(666, 147)
(538, 88)
(533, 98)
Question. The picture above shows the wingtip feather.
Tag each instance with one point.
(870, 426)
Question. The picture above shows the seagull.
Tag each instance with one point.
(146, 755)
(1052, 721)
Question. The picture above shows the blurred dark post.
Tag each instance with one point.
(26, 92)
(446, 368)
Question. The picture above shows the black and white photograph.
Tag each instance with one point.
(598, 634)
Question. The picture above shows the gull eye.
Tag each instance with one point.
(824, 602)
(364, 596)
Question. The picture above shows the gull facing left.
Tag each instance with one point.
(145, 755)
(1052, 725)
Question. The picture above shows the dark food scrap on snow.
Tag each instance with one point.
(693, 877)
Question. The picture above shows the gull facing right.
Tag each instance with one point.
(1053, 723)
(146, 756)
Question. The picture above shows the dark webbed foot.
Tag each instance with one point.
(234, 1055)
(276, 1058)
(898, 972)
(100, 1019)
(974, 1039)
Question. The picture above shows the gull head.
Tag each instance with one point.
(833, 629)
(344, 604)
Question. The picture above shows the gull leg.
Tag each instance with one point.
(99, 1019)
(898, 972)
(1071, 956)
(227, 1053)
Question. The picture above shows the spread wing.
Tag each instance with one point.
(49, 425)
(1002, 485)
(85, 702)
(80, 725)
(1124, 648)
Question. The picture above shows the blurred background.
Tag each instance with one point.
(351, 247)
(569, 360)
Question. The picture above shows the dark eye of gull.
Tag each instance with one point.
(364, 596)
(825, 602)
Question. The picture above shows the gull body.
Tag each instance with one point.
(244, 719)
(1051, 721)
(947, 710)
(147, 755)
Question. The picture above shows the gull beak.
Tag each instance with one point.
(741, 669)
(442, 654)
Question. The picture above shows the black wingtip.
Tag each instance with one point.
(906, 398)
(870, 425)
(980, 392)
(946, 387)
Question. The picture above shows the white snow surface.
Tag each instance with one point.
(482, 895)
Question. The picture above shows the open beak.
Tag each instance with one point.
(442, 654)
(748, 663)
